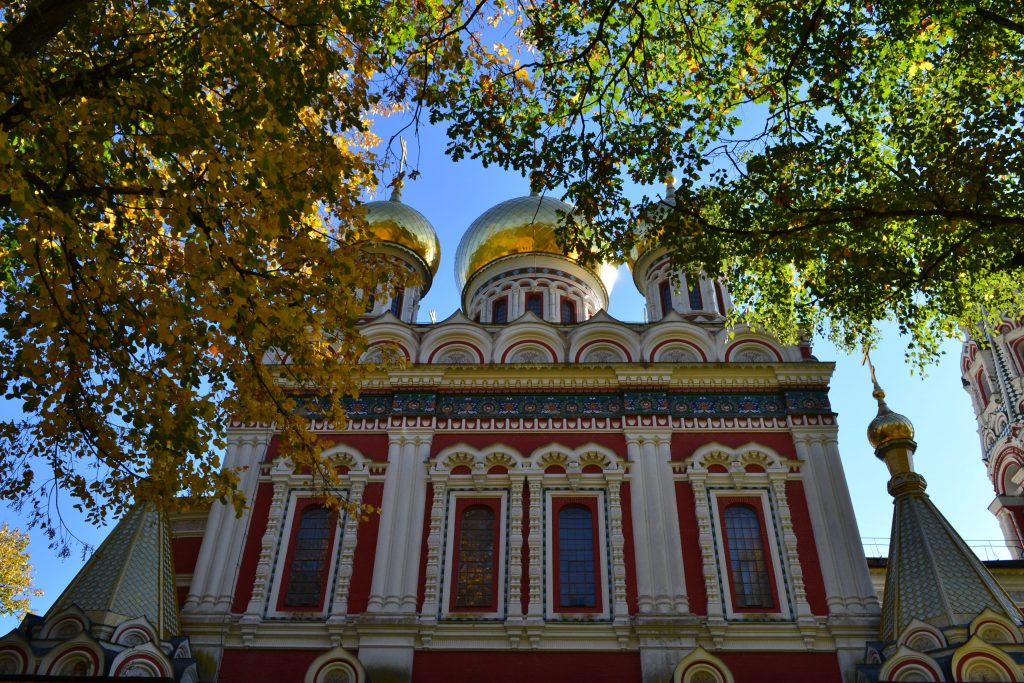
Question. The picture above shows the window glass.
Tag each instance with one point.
(568, 311)
(747, 561)
(693, 290)
(474, 583)
(500, 313)
(396, 303)
(665, 293)
(577, 575)
(535, 304)
(309, 558)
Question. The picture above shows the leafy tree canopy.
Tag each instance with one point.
(842, 163)
(15, 572)
(179, 184)
(179, 188)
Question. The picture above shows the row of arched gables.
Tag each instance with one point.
(602, 339)
(132, 651)
(341, 666)
(923, 653)
(498, 459)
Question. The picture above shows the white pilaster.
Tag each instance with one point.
(661, 584)
(396, 565)
(641, 536)
(349, 535)
(386, 531)
(848, 586)
(515, 545)
(535, 607)
(213, 580)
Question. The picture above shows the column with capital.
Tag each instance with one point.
(388, 629)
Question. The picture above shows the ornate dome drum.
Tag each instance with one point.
(401, 232)
(513, 246)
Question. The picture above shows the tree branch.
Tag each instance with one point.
(42, 22)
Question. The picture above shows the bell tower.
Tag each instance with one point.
(992, 369)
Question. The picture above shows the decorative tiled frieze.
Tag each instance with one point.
(533, 405)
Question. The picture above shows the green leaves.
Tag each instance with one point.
(841, 163)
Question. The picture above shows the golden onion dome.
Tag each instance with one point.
(888, 426)
(525, 225)
(647, 239)
(392, 221)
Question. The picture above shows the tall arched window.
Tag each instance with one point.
(307, 567)
(535, 303)
(577, 558)
(568, 311)
(665, 295)
(749, 569)
(476, 570)
(720, 297)
(693, 291)
(499, 310)
(397, 301)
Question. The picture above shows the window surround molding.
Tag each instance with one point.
(501, 559)
(289, 485)
(717, 472)
(720, 500)
(562, 497)
(907, 662)
(502, 469)
(297, 501)
(701, 661)
(336, 659)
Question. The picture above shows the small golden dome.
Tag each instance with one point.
(523, 225)
(392, 221)
(887, 425)
(649, 239)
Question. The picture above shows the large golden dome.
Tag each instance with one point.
(392, 221)
(525, 225)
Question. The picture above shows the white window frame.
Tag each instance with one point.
(782, 609)
(281, 556)
(501, 561)
(549, 556)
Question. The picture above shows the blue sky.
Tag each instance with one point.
(452, 195)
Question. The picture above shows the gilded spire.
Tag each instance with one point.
(932, 575)
(396, 192)
(888, 428)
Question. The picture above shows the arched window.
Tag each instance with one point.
(397, 301)
(499, 312)
(749, 569)
(577, 559)
(720, 298)
(476, 570)
(307, 568)
(535, 303)
(980, 381)
(665, 294)
(693, 290)
(568, 311)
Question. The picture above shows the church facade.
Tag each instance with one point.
(562, 496)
